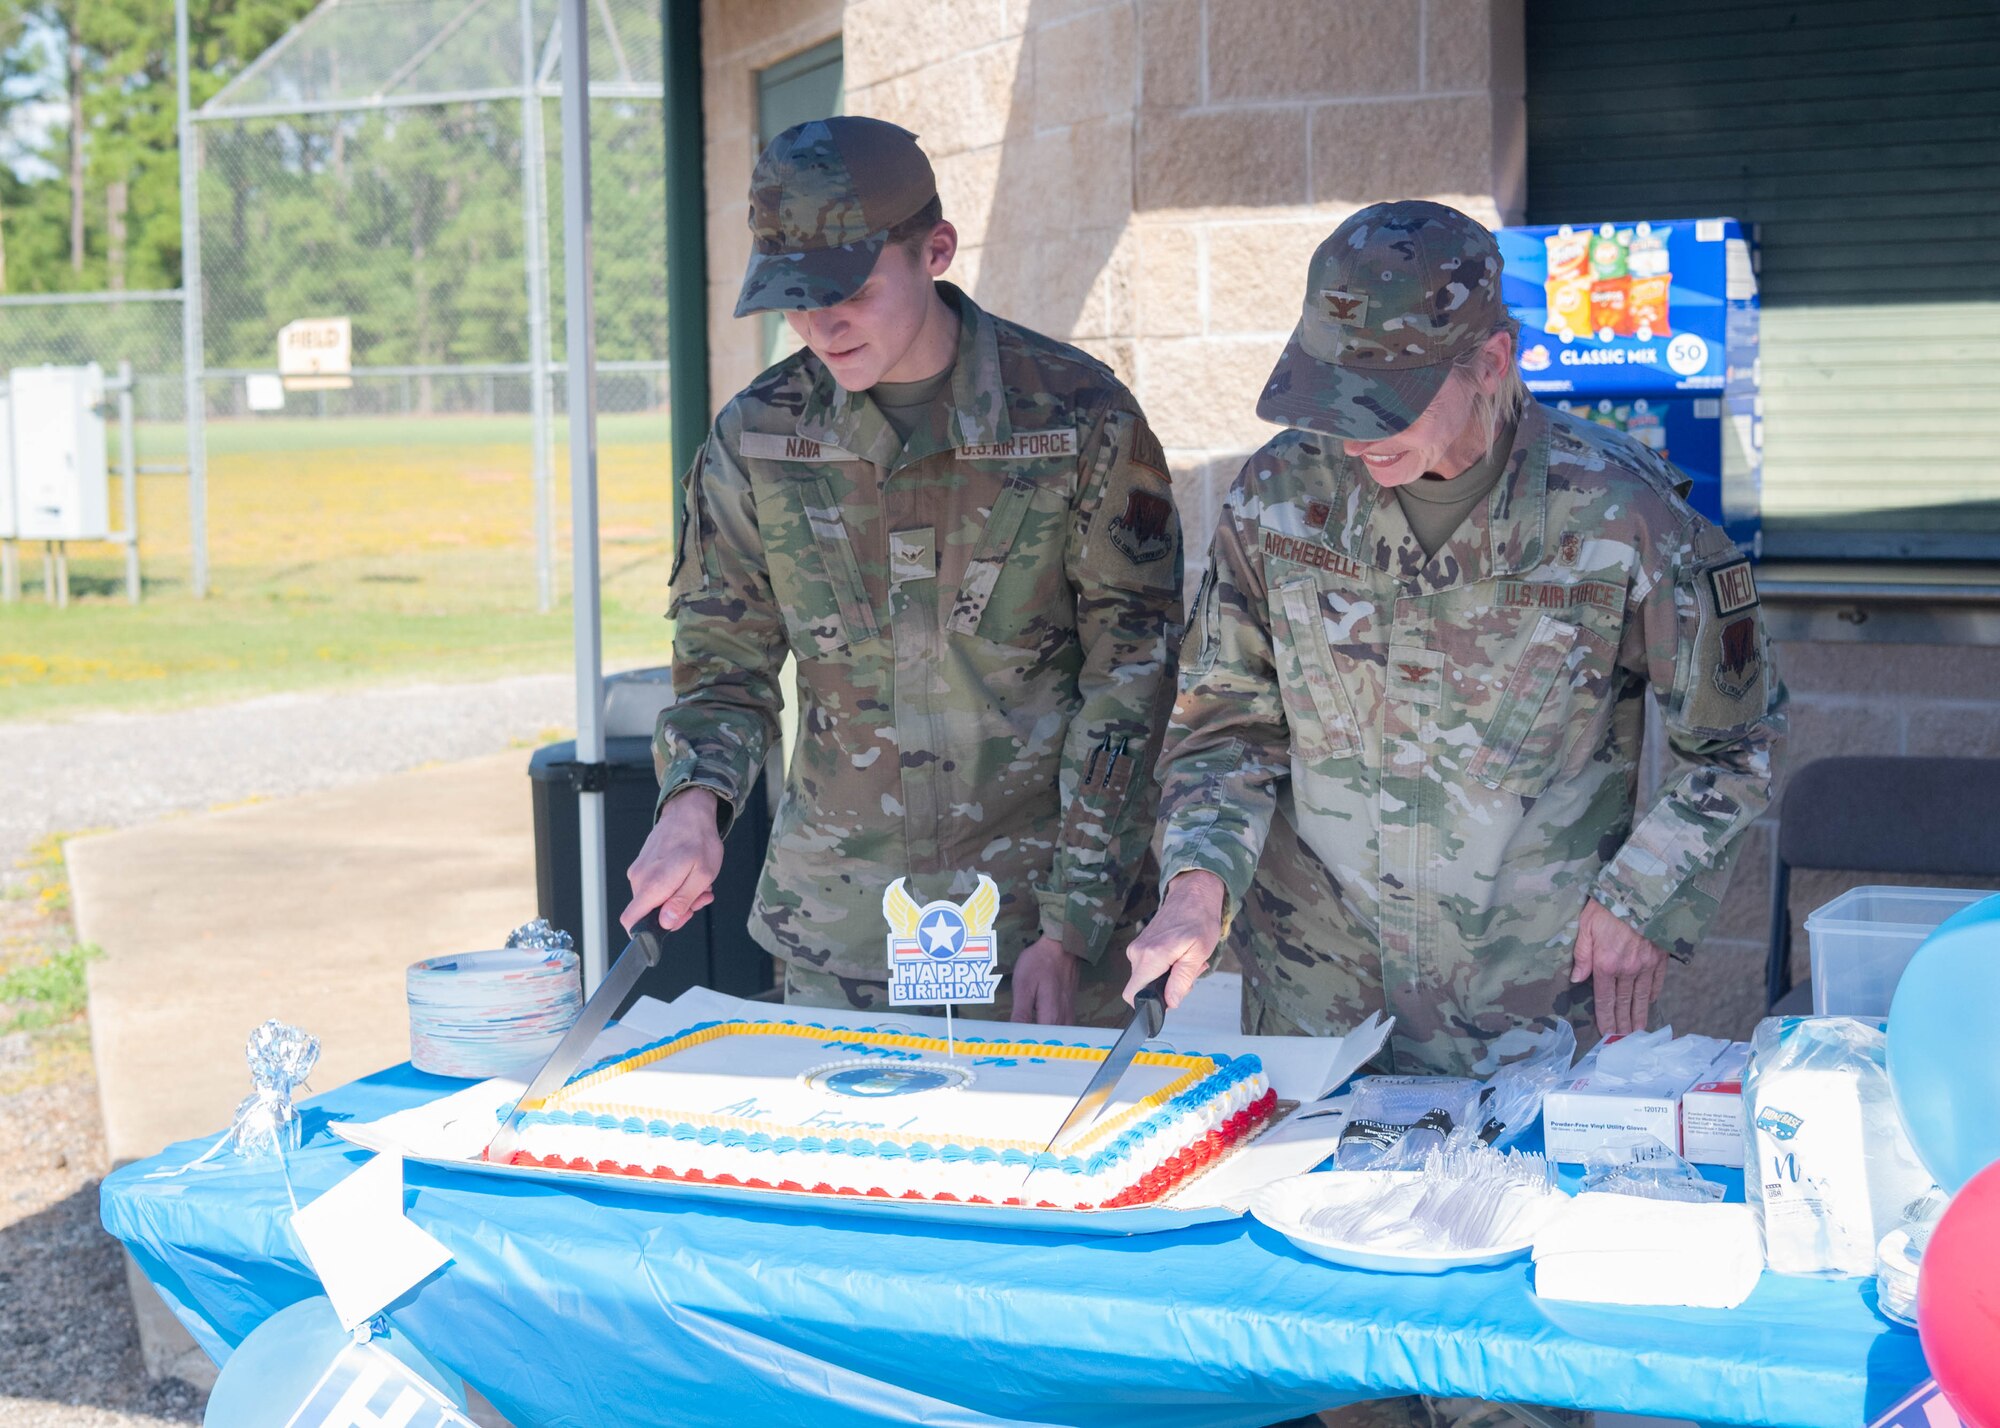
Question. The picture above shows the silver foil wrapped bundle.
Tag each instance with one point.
(267, 1122)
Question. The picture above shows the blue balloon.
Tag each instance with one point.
(279, 1362)
(1943, 1060)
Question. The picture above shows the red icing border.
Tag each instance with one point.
(1154, 1186)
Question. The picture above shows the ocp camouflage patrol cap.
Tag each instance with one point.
(823, 198)
(1394, 296)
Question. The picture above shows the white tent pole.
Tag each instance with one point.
(534, 222)
(580, 332)
(191, 314)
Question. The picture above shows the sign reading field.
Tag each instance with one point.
(316, 354)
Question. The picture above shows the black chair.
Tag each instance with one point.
(1930, 817)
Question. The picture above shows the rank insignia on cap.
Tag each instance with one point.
(1733, 586)
(1343, 307)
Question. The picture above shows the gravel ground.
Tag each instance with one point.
(69, 1349)
(115, 770)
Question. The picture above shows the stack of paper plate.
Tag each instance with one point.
(483, 1014)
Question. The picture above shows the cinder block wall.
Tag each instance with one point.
(1146, 178)
(738, 38)
(1847, 699)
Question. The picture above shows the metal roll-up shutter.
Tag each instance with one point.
(1862, 139)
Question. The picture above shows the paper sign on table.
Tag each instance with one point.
(1923, 1407)
(365, 1250)
(366, 1388)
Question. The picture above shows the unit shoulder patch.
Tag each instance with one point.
(1143, 531)
(1739, 667)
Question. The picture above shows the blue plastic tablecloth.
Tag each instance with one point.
(592, 1307)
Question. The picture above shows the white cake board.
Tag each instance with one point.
(452, 1131)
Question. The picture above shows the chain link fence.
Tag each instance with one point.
(392, 162)
(74, 329)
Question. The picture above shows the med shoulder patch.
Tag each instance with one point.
(1732, 587)
(1728, 673)
(1147, 452)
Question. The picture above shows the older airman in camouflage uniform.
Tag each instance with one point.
(984, 615)
(1437, 753)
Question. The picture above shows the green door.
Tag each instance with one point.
(805, 86)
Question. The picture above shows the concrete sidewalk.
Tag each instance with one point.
(307, 909)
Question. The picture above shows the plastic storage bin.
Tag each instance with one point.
(1862, 940)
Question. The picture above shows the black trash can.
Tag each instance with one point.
(715, 948)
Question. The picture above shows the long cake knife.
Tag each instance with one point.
(1149, 1013)
(641, 954)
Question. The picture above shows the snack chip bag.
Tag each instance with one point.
(1569, 305)
(1646, 255)
(1646, 304)
(1568, 253)
(1608, 253)
(1645, 427)
(1611, 307)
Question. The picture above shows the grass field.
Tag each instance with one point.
(356, 550)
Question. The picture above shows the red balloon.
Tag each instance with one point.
(1958, 1301)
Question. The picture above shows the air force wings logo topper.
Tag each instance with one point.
(942, 951)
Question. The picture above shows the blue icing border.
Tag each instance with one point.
(1230, 1071)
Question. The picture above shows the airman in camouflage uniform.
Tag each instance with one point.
(985, 615)
(1441, 751)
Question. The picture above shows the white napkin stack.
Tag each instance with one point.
(1621, 1249)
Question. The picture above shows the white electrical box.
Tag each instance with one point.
(62, 482)
(7, 522)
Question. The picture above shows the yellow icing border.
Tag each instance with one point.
(1196, 1067)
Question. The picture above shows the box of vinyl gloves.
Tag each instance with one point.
(1625, 1085)
(1712, 1110)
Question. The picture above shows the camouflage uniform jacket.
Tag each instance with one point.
(1457, 738)
(985, 621)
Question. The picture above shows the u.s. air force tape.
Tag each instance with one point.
(1022, 444)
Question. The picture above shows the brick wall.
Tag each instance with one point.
(1146, 178)
(1847, 699)
(738, 38)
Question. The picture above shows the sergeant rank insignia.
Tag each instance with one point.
(942, 951)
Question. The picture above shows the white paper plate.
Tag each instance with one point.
(481, 1014)
(1283, 1204)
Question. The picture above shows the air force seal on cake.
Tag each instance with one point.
(942, 951)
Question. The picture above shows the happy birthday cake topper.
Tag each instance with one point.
(943, 951)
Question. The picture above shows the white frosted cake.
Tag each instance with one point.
(790, 1105)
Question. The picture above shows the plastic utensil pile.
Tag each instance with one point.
(1462, 1199)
